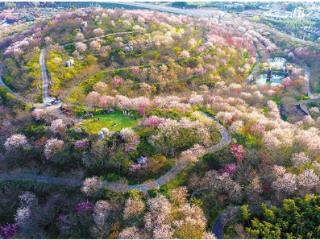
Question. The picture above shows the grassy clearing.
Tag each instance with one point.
(113, 121)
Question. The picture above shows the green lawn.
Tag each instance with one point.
(113, 121)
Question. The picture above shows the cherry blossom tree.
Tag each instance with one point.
(91, 186)
(117, 81)
(95, 45)
(58, 126)
(98, 32)
(193, 154)
(79, 37)
(196, 99)
(102, 217)
(82, 144)
(39, 114)
(131, 139)
(157, 220)
(300, 159)
(93, 98)
(15, 141)
(185, 54)
(81, 47)
(286, 184)
(133, 207)
(8, 231)
(237, 151)
(236, 126)
(152, 121)
(181, 134)
(307, 180)
(129, 233)
(101, 87)
(52, 147)
(222, 184)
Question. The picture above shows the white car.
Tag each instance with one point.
(51, 101)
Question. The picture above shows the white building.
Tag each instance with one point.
(278, 14)
(298, 13)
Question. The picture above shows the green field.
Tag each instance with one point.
(113, 121)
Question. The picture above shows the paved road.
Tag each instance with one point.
(285, 35)
(120, 187)
(190, 12)
(44, 74)
(313, 97)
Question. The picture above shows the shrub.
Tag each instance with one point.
(296, 218)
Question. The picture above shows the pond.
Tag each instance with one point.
(277, 66)
(277, 63)
(275, 80)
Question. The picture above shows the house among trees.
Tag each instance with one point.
(69, 62)
(128, 48)
(142, 160)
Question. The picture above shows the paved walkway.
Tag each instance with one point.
(313, 97)
(44, 74)
(102, 36)
(120, 187)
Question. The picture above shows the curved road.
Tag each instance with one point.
(121, 187)
(19, 97)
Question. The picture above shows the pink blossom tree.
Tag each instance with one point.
(117, 81)
(93, 98)
(58, 126)
(81, 47)
(237, 151)
(91, 186)
(15, 141)
(52, 147)
(133, 207)
(152, 121)
(39, 114)
(131, 139)
(95, 45)
(81, 145)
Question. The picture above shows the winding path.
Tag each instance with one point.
(102, 36)
(121, 187)
(19, 97)
(302, 104)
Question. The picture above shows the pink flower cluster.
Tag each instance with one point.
(39, 114)
(81, 144)
(117, 81)
(237, 151)
(58, 126)
(84, 206)
(131, 139)
(152, 121)
(229, 169)
(15, 141)
(9, 230)
(135, 167)
(136, 70)
(287, 82)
